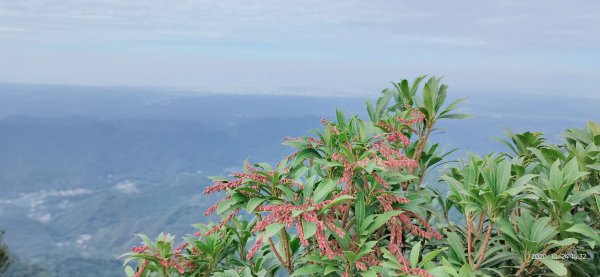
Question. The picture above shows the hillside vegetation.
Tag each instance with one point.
(352, 200)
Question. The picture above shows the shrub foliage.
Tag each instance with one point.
(351, 201)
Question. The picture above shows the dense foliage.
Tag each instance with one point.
(352, 201)
(5, 260)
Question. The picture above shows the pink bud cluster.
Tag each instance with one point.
(164, 262)
(407, 224)
(420, 272)
(170, 262)
(180, 249)
(396, 251)
(380, 180)
(416, 116)
(394, 160)
(331, 126)
(139, 249)
(399, 136)
(240, 179)
(283, 214)
(360, 266)
(218, 226)
(348, 168)
(141, 269)
(213, 208)
(387, 200)
(255, 247)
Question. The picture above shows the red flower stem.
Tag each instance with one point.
(485, 244)
(469, 238)
(421, 147)
(286, 246)
(480, 227)
(277, 255)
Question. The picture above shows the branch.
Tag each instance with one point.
(485, 244)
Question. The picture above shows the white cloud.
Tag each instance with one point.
(33, 200)
(127, 187)
(43, 217)
(82, 239)
(328, 44)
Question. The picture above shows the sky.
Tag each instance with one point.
(344, 47)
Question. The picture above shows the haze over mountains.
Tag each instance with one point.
(82, 169)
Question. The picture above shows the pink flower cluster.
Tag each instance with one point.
(218, 226)
(240, 179)
(406, 268)
(331, 126)
(380, 180)
(399, 136)
(416, 116)
(141, 269)
(387, 200)
(139, 249)
(213, 208)
(348, 168)
(394, 160)
(408, 225)
(169, 262)
(255, 247)
(283, 214)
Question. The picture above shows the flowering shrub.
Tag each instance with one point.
(351, 202)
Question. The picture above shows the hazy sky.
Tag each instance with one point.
(350, 46)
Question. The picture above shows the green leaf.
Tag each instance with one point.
(308, 269)
(129, 271)
(414, 254)
(520, 184)
(556, 176)
(225, 205)
(323, 189)
(456, 116)
(405, 89)
(369, 273)
(273, 229)
(306, 153)
(336, 201)
(329, 269)
(594, 128)
(430, 256)
(309, 228)
(564, 242)
(289, 194)
(371, 111)
(341, 118)
(584, 230)
(456, 244)
(503, 176)
(359, 210)
(366, 248)
(579, 196)
(557, 267)
(428, 97)
(253, 203)
(232, 273)
(466, 271)
(380, 220)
